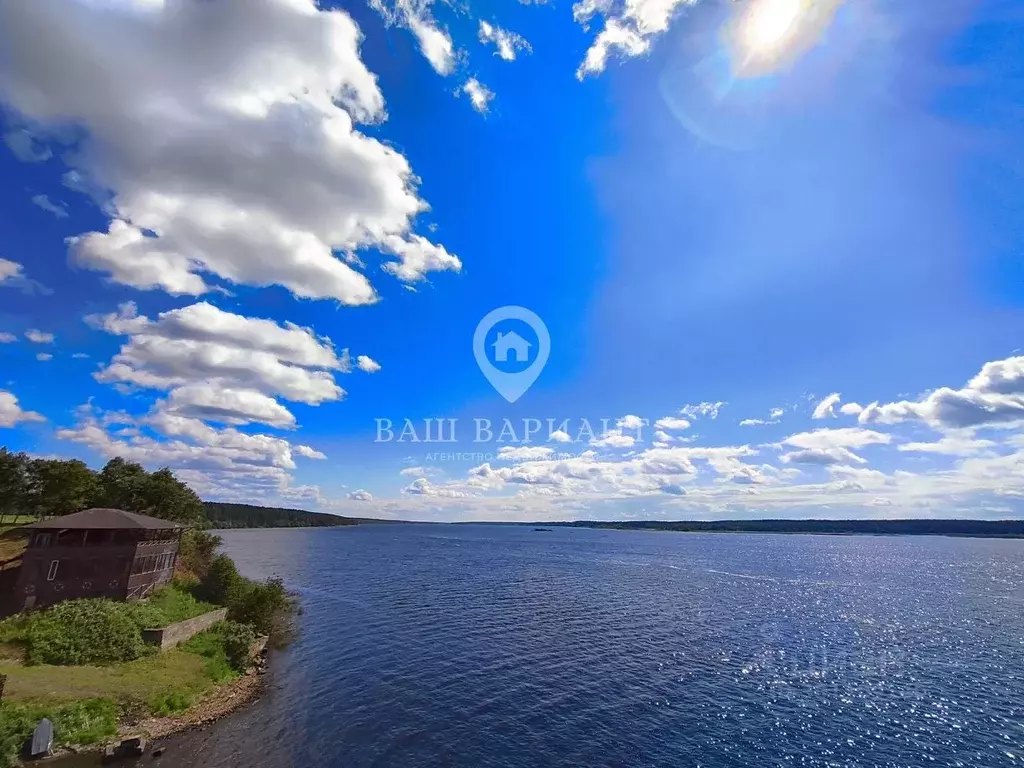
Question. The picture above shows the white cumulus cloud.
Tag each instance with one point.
(39, 337)
(479, 95)
(222, 137)
(12, 414)
(367, 364)
(507, 44)
(627, 28)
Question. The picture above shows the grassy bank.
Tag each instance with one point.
(83, 664)
(88, 703)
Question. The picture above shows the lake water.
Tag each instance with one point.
(503, 647)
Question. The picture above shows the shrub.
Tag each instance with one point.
(260, 604)
(237, 640)
(84, 632)
(196, 552)
(222, 584)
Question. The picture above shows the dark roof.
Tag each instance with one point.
(92, 519)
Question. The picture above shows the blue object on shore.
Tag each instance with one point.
(42, 739)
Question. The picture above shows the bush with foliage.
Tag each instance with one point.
(84, 632)
(262, 605)
(197, 550)
(237, 640)
(222, 583)
(98, 631)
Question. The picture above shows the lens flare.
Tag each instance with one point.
(765, 34)
(770, 22)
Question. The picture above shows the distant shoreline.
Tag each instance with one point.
(987, 529)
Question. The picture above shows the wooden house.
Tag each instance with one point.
(96, 553)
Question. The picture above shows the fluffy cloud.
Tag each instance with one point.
(216, 158)
(44, 202)
(630, 421)
(309, 453)
(851, 409)
(826, 409)
(671, 423)
(627, 30)
(24, 146)
(523, 453)
(994, 397)
(423, 487)
(950, 446)
(12, 275)
(435, 43)
(222, 366)
(560, 436)
(228, 406)
(44, 356)
(831, 446)
(417, 256)
(11, 413)
(613, 438)
(507, 44)
(7, 338)
(702, 409)
(39, 337)
(214, 461)
(774, 416)
(367, 364)
(9, 269)
(360, 495)
(479, 95)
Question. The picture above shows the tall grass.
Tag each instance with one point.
(78, 723)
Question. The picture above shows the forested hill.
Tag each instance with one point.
(251, 516)
(924, 527)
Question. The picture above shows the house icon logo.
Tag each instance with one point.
(513, 342)
(511, 384)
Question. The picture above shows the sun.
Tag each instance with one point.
(770, 22)
(764, 35)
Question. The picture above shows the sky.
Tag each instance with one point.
(775, 247)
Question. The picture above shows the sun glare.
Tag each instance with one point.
(764, 35)
(770, 22)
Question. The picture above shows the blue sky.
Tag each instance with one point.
(775, 243)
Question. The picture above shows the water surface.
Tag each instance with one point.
(502, 647)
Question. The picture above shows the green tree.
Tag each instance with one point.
(58, 487)
(13, 483)
(121, 485)
(166, 497)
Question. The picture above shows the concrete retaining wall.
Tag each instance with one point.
(179, 632)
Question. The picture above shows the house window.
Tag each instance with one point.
(43, 539)
(52, 573)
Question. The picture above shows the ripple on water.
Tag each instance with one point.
(488, 647)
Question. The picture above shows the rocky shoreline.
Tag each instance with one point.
(218, 703)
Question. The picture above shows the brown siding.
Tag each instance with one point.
(100, 564)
